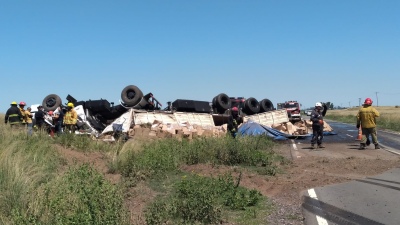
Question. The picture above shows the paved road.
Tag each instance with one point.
(373, 200)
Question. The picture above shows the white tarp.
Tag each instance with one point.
(269, 118)
(125, 120)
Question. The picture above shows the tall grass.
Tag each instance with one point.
(389, 117)
(25, 164)
(160, 157)
(33, 191)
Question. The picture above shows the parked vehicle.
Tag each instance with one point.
(292, 108)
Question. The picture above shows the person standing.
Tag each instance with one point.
(58, 118)
(24, 113)
(70, 118)
(366, 118)
(29, 122)
(317, 119)
(13, 115)
(39, 117)
(234, 121)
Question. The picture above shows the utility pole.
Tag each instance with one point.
(359, 101)
(377, 102)
(349, 105)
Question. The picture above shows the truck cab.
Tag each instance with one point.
(292, 108)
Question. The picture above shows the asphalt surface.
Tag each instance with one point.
(373, 200)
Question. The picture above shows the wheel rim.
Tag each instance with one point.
(131, 94)
(51, 102)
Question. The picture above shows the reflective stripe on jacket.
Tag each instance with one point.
(70, 117)
(366, 116)
(13, 115)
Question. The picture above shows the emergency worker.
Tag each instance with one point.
(39, 117)
(366, 118)
(24, 113)
(70, 118)
(13, 115)
(317, 119)
(234, 121)
(58, 118)
(29, 122)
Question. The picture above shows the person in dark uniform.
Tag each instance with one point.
(58, 118)
(317, 119)
(39, 117)
(13, 115)
(234, 121)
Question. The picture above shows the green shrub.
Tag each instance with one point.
(198, 199)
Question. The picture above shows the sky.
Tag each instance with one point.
(309, 51)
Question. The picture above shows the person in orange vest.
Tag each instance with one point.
(366, 118)
(13, 115)
(70, 118)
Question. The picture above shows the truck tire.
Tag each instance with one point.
(266, 105)
(251, 106)
(51, 102)
(131, 95)
(222, 102)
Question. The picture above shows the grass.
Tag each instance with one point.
(36, 191)
(389, 116)
(205, 200)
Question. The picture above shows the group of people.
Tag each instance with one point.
(51, 121)
(366, 121)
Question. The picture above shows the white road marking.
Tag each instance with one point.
(320, 220)
(294, 146)
(389, 149)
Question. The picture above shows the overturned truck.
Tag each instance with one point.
(98, 114)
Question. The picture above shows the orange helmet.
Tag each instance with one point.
(368, 101)
(235, 109)
(22, 103)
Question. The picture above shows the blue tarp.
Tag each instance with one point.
(253, 128)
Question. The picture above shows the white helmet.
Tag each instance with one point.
(318, 104)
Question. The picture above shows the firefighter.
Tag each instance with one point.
(317, 119)
(13, 115)
(29, 121)
(70, 118)
(366, 118)
(24, 113)
(234, 121)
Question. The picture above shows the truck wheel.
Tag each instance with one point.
(266, 105)
(251, 106)
(131, 95)
(51, 102)
(222, 102)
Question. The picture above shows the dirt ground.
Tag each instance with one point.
(308, 168)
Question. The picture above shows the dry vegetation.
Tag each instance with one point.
(389, 116)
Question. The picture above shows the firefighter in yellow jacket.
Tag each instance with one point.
(366, 118)
(25, 114)
(70, 118)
